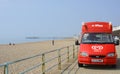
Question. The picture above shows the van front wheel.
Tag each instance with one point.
(80, 65)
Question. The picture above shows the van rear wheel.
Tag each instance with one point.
(114, 66)
(80, 65)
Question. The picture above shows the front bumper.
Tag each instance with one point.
(98, 61)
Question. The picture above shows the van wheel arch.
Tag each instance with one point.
(80, 65)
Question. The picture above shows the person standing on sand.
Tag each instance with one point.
(9, 43)
(52, 42)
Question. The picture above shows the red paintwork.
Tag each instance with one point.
(97, 27)
(107, 48)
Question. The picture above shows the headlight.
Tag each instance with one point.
(84, 54)
(111, 55)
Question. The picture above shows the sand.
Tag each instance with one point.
(19, 51)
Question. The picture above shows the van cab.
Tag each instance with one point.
(97, 46)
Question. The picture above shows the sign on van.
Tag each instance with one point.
(97, 48)
(97, 25)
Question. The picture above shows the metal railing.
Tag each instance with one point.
(61, 56)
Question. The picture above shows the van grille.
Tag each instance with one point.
(97, 56)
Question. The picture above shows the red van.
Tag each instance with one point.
(97, 46)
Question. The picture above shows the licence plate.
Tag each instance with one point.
(97, 60)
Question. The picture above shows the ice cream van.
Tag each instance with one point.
(96, 45)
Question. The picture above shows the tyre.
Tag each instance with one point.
(114, 66)
(80, 65)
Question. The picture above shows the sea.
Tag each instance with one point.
(20, 40)
(28, 39)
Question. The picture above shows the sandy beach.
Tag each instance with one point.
(19, 51)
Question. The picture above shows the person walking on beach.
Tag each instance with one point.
(52, 42)
(9, 43)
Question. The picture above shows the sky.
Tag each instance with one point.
(48, 18)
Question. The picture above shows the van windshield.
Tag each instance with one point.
(97, 38)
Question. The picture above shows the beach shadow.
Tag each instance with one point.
(105, 67)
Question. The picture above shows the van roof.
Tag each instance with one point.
(105, 27)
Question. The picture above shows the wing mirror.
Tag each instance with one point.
(116, 42)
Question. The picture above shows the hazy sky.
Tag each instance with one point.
(22, 18)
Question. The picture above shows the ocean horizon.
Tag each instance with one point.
(20, 40)
(28, 39)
